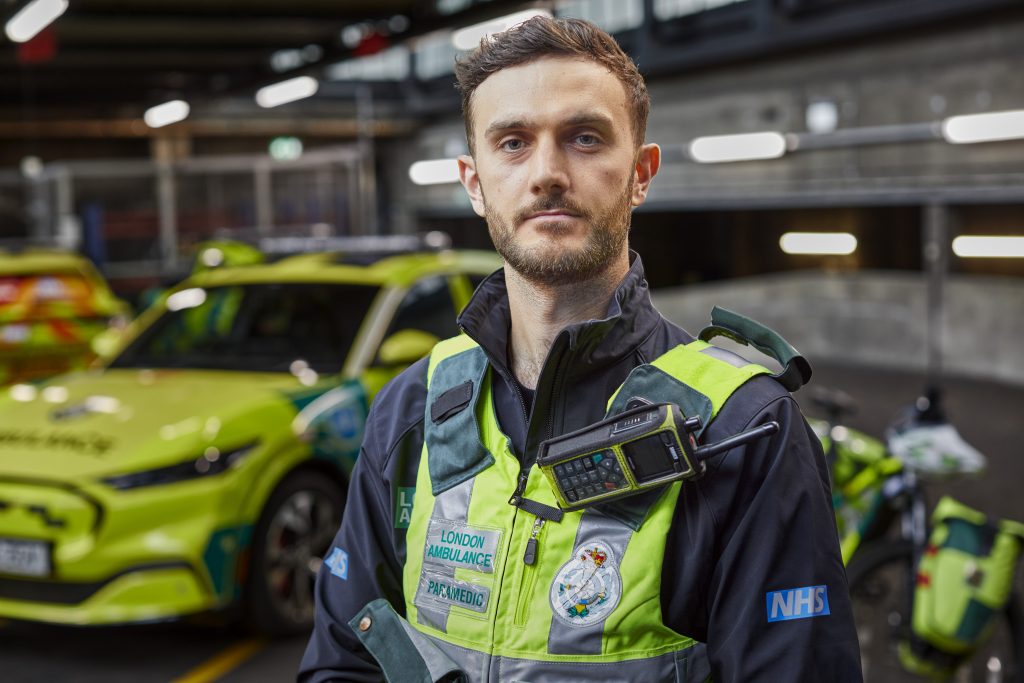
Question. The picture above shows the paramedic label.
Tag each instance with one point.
(457, 545)
(797, 603)
(449, 591)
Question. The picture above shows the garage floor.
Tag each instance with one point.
(988, 415)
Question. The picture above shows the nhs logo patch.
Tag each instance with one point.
(797, 603)
(337, 562)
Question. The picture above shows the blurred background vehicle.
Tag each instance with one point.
(207, 462)
(53, 304)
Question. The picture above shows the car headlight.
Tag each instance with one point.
(212, 462)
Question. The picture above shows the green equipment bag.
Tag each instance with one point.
(964, 582)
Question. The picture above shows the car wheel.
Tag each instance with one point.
(295, 529)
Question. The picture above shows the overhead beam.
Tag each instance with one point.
(135, 128)
(186, 32)
(137, 59)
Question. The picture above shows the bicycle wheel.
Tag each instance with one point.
(881, 580)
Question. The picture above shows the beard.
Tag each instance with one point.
(551, 263)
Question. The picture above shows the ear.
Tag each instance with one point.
(471, 181)
(647, 164)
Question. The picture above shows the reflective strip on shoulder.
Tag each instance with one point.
(714, 372)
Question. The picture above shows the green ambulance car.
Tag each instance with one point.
(204, 466)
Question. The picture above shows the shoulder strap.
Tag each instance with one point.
(698, 377)
(455, 376)
(796, 371)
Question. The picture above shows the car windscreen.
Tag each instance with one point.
(259, 328)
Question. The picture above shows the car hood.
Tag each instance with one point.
(89, 425)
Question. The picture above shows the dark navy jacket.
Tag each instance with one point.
(759, 521)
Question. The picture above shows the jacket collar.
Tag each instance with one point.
(594, 344)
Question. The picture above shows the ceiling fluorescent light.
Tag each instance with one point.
(714, 149)
(287, 91)
(989, 246)
(434, 172)
(997, 125)
(33, 18)
(818, 243)
(165, 114)
(469, 38)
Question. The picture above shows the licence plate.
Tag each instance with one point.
(25, 558)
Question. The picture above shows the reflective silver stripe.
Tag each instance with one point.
(474, 663)
(729, 357)
(689, 665)
(683, 666)
(437, 662)
(586, 640)
(452, 505)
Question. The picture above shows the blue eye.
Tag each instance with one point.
(587, 140)
(512, 145)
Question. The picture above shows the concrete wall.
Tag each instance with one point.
(873, 318)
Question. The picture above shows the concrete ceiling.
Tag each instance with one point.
(114, 58)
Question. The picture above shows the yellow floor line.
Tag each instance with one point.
(222, 663)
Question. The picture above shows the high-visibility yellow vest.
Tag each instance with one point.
(589, 606)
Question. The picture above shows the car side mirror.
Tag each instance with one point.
(405, 347)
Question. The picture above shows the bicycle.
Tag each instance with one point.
(882, 515)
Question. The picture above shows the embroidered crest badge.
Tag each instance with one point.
(587, 587)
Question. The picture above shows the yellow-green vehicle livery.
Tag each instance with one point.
(52, 305)
(205, 465)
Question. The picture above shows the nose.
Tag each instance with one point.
(549, 169)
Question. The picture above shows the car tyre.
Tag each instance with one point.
(293, 533)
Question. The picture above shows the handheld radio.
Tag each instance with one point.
(643, 447)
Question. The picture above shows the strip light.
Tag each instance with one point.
(997, 125)
(716, 149)
(989, 246)
(287, 91)
(434, 172)
(818, 243)
(33, 18)
(469, 38)
(165, 114)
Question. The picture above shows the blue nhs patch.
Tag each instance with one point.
(337, 562)
(797, 603)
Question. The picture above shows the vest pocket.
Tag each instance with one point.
(404, 654)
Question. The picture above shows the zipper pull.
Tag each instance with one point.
(517, 495)
(530, 556)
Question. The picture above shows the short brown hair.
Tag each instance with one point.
(545, 37)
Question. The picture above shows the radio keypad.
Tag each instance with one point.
(589, 476)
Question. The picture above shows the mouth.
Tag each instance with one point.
(557, 213)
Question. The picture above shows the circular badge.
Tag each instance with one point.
(587, 587)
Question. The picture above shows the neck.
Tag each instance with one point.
(539, 312)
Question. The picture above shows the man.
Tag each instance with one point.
(490, 581)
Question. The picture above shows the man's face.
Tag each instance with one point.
(555, 170)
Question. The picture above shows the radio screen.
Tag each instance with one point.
(649, 458)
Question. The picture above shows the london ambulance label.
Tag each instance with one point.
(403, 506)
(587, 587)
(450, 591)
(453, 544)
